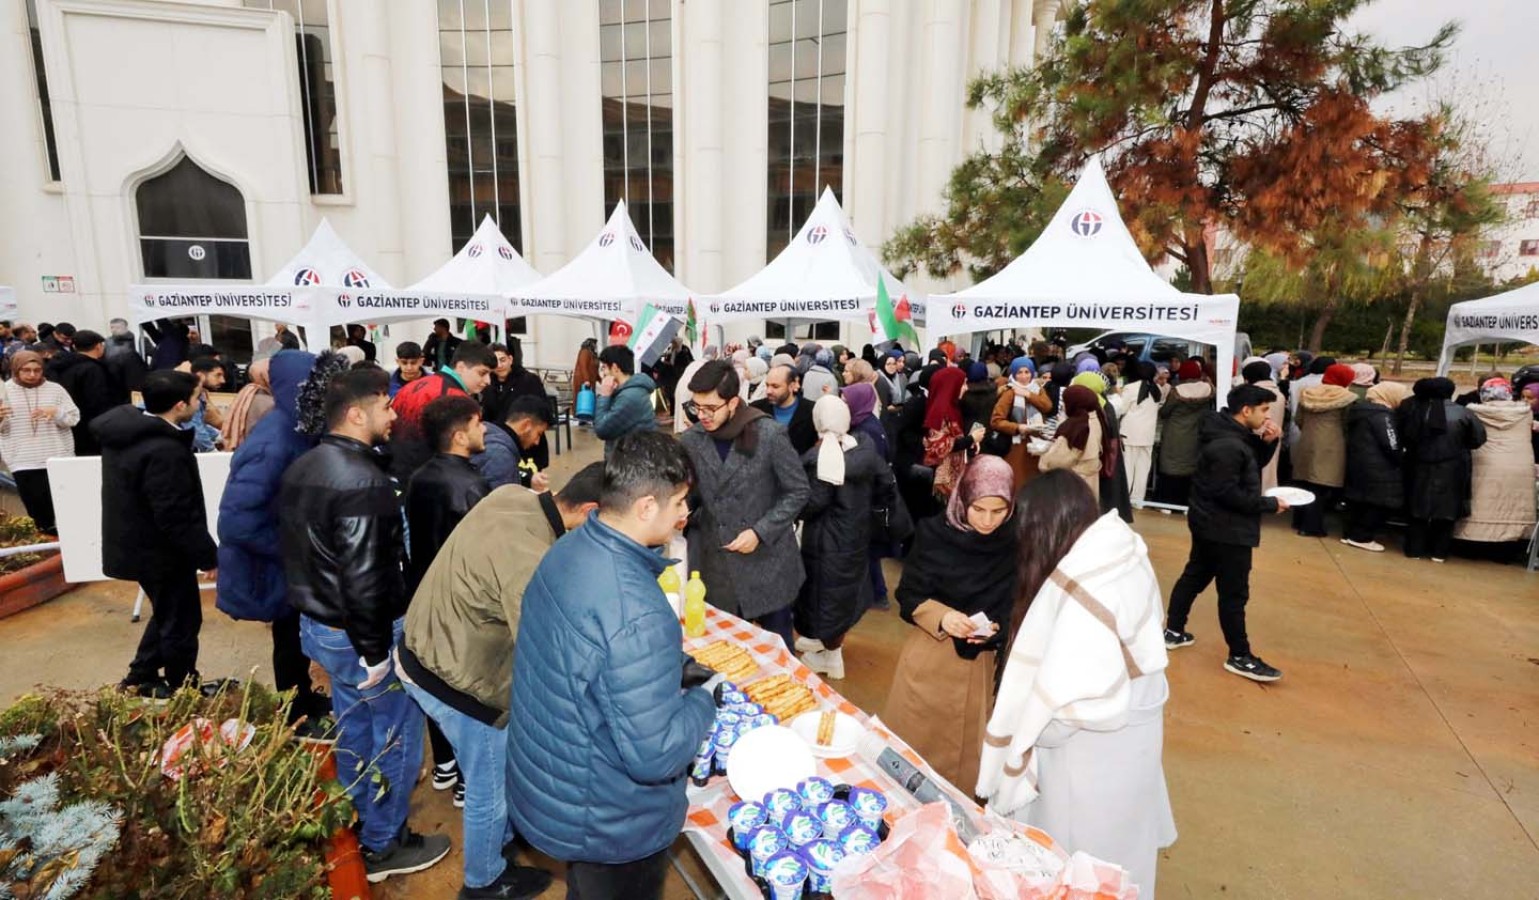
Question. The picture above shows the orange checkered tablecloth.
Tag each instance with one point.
(707, 819)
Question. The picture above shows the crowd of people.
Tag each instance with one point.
(398, 530)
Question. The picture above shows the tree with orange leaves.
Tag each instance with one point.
(1250, 115)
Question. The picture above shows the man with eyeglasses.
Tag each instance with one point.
(749, 489)
(783, 402)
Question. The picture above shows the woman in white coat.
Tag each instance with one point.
(1138, 408)
(1075, 741)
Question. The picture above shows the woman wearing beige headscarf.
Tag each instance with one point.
(1375, 482)
(36, 419)
(254, 401)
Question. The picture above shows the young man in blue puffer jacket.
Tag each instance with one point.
(603, 727)
(251, 582)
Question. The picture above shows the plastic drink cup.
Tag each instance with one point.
(858, 840)
(815, 791)
(869, 806)
(801, 827)
(821, 856)
(763, 843)
(786, 874)
(744, 818)
(837, 817)
(781, 800)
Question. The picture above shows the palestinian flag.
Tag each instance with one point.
(893, 323)
(653, 333)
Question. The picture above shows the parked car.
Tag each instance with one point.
(1157, 348)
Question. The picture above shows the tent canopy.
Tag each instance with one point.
(474, 284)
(1085, 271)
(290, 296)
(824, 273)
(613, 278)
(1510, 316)
(8, 308)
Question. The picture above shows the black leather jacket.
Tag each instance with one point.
(439, 496)
(340, 528)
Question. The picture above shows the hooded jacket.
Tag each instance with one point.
(1438, 464)
(598, 754)
(1227, 505)
(1374, 461)
(90, 384)
(627, 411)
(340, 527)
(1320, 453)
(1181, 415)
(251, 580)
(504, 461)
(1501, 502)
(153, 520)
(835, 536)
(408, 445)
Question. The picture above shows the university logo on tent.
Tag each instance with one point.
(506, 253)
(850, 236)
(817, 234)
(1086, 223)
(306, 277)
(606, 238)
(354, 278)
(345, 300)
(474, 251)
(637, 245)
(959, 311)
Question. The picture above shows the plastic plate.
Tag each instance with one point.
(1292, 496)
(847, 734)
(768, 758)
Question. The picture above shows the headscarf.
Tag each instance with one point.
(1278, 361)
(765, 353)
(1019, 363)
(976, 372)
(757, 369)
(1253, 372)
(1364, 375)
(986, 476)
(1428, 414)
(710, 352)
(861, 397)
(1531, 391)
(740, 356)
(1190, 370)
(21, 359)
(1086, 364)
(1061, 375)
(783, 359)
(912, 362)
(1338, 375)
(1093, 382)
(831, 419)
(1495, 389)
(1078, 403)
(239, 421)
(868, 353)
(354, 354)
(948, 348)
(1319, 364)
(893, 353)
(941, 406)
(1388, 393)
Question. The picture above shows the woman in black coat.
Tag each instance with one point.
(1375, 482)
(1438, 436)
(846, 476)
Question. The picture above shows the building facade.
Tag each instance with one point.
(145, 140)
(1511, 250)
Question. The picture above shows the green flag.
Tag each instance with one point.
(893, 322)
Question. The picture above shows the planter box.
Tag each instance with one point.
(38, 583)
(345, 873)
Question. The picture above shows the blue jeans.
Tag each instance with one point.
(378, 730)
(482, 752)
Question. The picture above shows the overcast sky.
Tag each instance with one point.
(1493, 63)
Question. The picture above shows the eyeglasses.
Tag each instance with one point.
(696, 410)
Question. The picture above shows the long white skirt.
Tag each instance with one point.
(1103, 792)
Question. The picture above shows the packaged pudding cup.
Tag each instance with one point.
(786, 874)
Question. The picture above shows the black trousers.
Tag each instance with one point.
(1173, 489)
(1429, 537)
(291, 669)
(1309, 519)
(639, 880)
(32, 485)
(1229, 565)
(1364, 521)
(169, 648)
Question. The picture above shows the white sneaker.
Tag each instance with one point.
(1370, 546)
(828, 663)
(808, 645)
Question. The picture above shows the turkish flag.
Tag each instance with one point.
(619, 332)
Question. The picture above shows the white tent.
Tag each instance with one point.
(1510, 316)
(614, 278)
(474, 284)
(294, 295)
(1085, 271)
(824, 273)
(8, 308)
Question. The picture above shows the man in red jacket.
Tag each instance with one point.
(468, 375)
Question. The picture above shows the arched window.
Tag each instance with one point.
(192, 225)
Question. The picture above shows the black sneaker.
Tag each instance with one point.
(446, 775)
(156, 691)
(1251, 667)
(459, 794)
(1175, 640)
(410, 853)
(515, 883)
